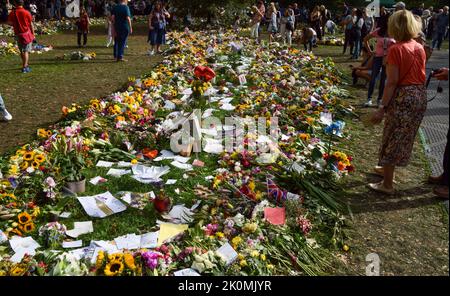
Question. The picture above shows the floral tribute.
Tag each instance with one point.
(231, 192)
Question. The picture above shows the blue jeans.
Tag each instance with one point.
(376, 67)
(120, 41)
(358, 45)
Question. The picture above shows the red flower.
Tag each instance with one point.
(149, 153)
(350, 168)
(204, 73)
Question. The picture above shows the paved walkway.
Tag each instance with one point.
(436, 122)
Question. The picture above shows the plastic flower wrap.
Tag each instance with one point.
(53, 234)
(69, 265)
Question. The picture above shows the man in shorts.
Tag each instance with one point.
(22, 22)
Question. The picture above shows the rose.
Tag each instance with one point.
(50, 182)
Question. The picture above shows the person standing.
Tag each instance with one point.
(440, 25)
(3, 112)
(58, 9)
(22, 22)
(121, 19)
(258, 14)
(357, 33)
(273, 24)
(404, 98)
(316, 21)
(287, 25)
(348, 24)
(157, 27)
(83, 27)
(381, 50)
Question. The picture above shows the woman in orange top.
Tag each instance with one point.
(404, 98)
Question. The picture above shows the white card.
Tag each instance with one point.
(242, 79)
(149, 240)
(72, 244)
(117, 172)
(227, 253)
(124, 164)
(27, 243)
(171, 181)
(182, 166)
(65, 214)
(104, 164)
(95, 205)
(97, 180)
(80, 228)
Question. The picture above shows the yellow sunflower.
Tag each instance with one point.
(17, 270)
(35, 165)
(42, 133)
(29, 227)
(24, 165)
(24, 218)
(39, 158)
(100, 259)
(129, 261)
(115, 257)
(28, 156)
(114, 267)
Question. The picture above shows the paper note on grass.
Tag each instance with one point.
(275, 216)
(101, 205)
(170, 230)
(80, 228)
(227, 253)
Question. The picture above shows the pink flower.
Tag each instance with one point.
(50, 182)
(69, 131)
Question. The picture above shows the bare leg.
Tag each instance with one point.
(25, 58)
(388, 179)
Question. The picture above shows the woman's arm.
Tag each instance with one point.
(366, 43)
(129, 23)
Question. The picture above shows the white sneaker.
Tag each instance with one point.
(151, 52)
(368, 103)
(6, 115)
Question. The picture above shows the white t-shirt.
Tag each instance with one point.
(330, 24)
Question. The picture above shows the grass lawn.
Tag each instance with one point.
(35, 99)
(409, 231)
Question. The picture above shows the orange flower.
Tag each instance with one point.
(341, 166)
(149, 153)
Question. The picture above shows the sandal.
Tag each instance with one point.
(379, 187)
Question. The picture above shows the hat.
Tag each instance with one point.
(400, 5)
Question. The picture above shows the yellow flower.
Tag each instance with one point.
(134, 161)
(18, 270)
(24, 218)
(250, 227)
(129, 261)
(251, 186)
(243, 263)
(35, 164)
(114, 267)
(254, 254)
(270, 266)
(36, 212)
(115, 257)
(28, 156)
(13, 170)
(24, 165)
(39, 158)
(236, 241)
(240, 256)
(42, 133)
(346, 248)
(100, 258)
(219, 234)
(263, 257)
(305, 137)
(29, 227)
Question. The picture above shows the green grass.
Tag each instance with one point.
(35, 99)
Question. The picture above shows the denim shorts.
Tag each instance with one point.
(24, 48)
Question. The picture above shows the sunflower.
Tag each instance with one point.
(24, 165)
(13, 170)
(42, 133)
(16, 231)
(35, 165)
(39, 158)
(17, 270)
(29, 227)
(49, 133)
(28, 156)
(115, 257)
(100, 259)
(114, 267)
(24, 218)
(129, 261)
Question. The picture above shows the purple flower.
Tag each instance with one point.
(151, 259)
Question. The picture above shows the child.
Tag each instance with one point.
(83, 27)
(309, 37)
(109, 26)
(4, 114)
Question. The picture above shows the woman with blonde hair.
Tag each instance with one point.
(273, 24)
(404, 98)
